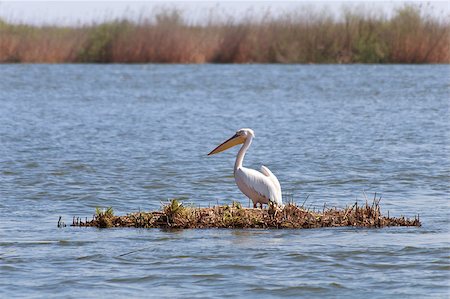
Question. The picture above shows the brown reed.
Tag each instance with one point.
(409, 36)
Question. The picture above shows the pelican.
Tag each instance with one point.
(261, 187)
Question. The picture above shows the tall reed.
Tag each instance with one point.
(408, 36)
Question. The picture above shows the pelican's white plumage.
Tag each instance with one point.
(261, 187)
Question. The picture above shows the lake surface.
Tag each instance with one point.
(77, 137)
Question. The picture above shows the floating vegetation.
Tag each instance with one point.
(175, 215)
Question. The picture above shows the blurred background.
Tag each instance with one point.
(225, 32)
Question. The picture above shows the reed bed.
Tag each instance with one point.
(409, 36)
(175, 215)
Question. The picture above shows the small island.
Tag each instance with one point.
(176, 215)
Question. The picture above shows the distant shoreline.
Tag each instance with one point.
(408, 37)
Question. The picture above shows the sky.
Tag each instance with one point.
(81, 12)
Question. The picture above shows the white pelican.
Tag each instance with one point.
(261, 187)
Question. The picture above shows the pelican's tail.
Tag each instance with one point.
(278, 198)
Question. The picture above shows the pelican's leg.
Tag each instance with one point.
(254, 205)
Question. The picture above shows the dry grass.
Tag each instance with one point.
(175, 215)
(298, 37)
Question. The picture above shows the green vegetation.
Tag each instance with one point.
(107, 212)
(409, 36)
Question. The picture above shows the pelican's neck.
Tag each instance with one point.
(242, 151)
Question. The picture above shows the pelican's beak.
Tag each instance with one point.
(235, 140)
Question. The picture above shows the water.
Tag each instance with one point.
(74, 137)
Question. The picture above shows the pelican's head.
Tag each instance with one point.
(238, 138)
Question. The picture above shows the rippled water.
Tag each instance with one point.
(74, 137)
